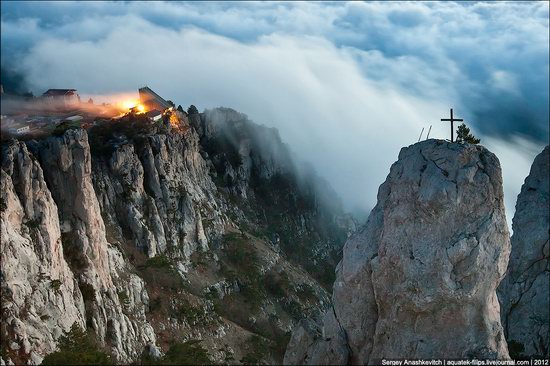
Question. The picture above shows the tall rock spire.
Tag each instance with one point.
(419, 279)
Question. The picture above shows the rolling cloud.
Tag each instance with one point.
(347, 85)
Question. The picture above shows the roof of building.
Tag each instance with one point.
(58, 92)
(153, 113)
(74, 118)
(148, 96)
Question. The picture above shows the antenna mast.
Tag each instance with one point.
(421, 132)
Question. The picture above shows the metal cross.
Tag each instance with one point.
(452, 120)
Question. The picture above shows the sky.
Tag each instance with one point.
(347, 84)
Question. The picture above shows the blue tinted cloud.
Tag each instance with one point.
(491, 58)
(328, 75)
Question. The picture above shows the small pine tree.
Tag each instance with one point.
(463, 135)
(192, 109)
(187, 353)
(77, 348)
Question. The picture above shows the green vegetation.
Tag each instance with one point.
(160, 261)
(277, 284)
(201, 258)
(225, 148)
(33, 224)
(64, 126)
(192, 314)
(3, 205)
(294, 309)
(132, 126)
(258, 351)
(240, 263)
(463, 135)
(181, 353)
(516, 350)
(277, 209)
(306, 293)
(87, 291)
(159, 272)
(281, 342)
(77, 348)
(192, 109)
(55, 284)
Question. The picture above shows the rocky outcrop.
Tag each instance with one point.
(133, 233)
(159, 192)
(524, 293)
(241, 151)
(40, 296)
(53, 222)
(101, 269)
(251, 164)
(419, 279)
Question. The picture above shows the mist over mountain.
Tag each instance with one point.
(365, 78)
(274, 182)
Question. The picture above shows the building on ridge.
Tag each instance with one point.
(65, 97)
(155, 115)
(152, 100)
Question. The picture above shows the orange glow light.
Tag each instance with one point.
(140, 108)
(129, 104)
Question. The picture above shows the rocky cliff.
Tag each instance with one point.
(151, 238)
(53, 223)
(419, 279)
(524, 293)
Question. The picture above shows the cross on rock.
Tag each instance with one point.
(452, 120)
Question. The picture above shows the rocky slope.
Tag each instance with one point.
(419, 279)
(276, 197)
(148, 236)
(524, 293)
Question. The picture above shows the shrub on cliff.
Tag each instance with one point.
(463, 135)
(77, 348)
(188, 353)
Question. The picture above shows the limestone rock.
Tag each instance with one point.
(40, 297)
(57, 265)
(78, 215)
(419, 279)
(524, 293)
(66, 161)
(161, 192)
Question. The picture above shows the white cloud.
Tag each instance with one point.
(349, 127)
(346, 84)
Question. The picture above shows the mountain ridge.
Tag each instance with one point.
(154, 239)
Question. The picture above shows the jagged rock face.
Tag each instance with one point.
(75, 210)
(160, 192)
(67, 163)
(419, 279)
(257, 170)
(250, 151)
(62, 212)
(524, 293)
(40, 297)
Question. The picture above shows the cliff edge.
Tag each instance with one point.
(419, 279)
(524, 293)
